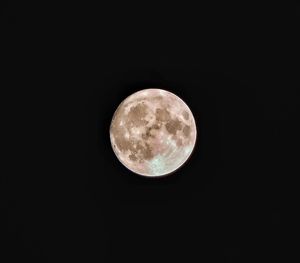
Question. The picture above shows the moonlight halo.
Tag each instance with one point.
(153, 132)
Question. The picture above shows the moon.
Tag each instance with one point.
(153, 132)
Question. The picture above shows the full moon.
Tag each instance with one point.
(153, 132)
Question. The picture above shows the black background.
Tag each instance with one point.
(68, 199)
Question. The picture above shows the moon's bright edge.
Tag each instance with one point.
(153, 132)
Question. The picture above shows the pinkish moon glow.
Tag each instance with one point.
(153, 132)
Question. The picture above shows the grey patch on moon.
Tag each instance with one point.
(185, 115)
(162, 115)
(173, 126)
(186, 130)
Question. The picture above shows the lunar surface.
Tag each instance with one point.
(153, 132)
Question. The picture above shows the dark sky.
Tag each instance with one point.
(67, 198)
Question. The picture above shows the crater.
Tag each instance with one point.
(185, 115)
(186, 131)
(147, 134)
(133, 157)
(156, 126)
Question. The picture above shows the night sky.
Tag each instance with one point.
(67, 198)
